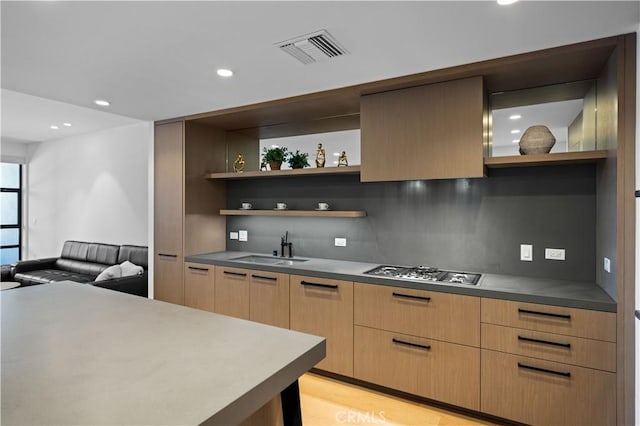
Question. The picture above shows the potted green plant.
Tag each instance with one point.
(298, 160)
(274, 156)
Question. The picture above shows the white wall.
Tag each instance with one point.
(13, 152)
(92, 187)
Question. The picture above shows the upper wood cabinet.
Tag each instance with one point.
(425, 132)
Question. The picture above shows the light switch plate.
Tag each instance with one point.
(554, 254)
(607, 264)
(526, 252)
(243, 235)
(233, 235)
(340, 242)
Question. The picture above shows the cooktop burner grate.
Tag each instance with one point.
(425, 273)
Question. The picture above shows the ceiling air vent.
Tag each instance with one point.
(313, 47)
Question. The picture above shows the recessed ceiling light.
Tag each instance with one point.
(515, 117)
(513, 132)
(335, 162)
(102, 102)
(506, 2)
(223, 72)
(275, 146)
(66, 124)
(337, 154)
(515, 140)
(55, 127)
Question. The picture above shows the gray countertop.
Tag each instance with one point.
(78, 354)
(573, 294)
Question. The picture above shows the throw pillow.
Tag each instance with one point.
(114, 271)
(129, 269)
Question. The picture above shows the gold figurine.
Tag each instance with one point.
(320, 156)
(342, 160)
(238, 165)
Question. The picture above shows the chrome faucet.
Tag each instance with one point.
(284, 242)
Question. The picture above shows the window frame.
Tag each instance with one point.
(18, 225)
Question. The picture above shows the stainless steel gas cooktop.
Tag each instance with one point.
(425, 273)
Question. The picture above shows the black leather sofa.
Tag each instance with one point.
(82, 262)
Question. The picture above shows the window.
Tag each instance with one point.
(10, 213)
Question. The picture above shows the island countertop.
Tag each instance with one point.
(574, 294)
(78, 354)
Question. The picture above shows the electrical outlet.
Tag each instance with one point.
(526, 252)
(554, 254)
(340, 242)
(243, 235)
(233, 235)
(607, 264)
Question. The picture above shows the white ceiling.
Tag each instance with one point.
(157, 59)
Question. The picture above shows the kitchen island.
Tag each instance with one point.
(78, 354)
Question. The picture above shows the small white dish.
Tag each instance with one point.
(242, 208)
(279, 209)
(322, 210)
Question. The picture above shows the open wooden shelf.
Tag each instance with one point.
(545, 159)
(304, 213)
(284, 173)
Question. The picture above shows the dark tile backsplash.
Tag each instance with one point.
(463, 224)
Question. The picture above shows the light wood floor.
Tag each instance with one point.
(326, 402)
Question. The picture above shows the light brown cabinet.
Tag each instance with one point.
(449, 317)
(552, 319)
(269, 298)
(432, 131)
(539, 392)
(422, 342)
(324, 307)
(199, 282)
(548, 364)
(433, 369)
(231, 294)
(168, 282)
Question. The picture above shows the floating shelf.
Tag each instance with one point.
(305, 213)
(545, 159)
(349, 170)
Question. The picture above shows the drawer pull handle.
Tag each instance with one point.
(167, 255)
(544, 342)
(415, 345)
(262, 277)
(546, 314)
(411, 296)
(545, 370)
(239, 274)
(307, 283)
(193, 268)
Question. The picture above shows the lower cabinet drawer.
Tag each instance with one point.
(537, 392)
(433, 369)
(553, 347)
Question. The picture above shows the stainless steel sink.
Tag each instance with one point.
(269, 260)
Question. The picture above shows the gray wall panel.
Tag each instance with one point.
(465, 224)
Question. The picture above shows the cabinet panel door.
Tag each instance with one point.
(269, 298)
(168, 193)
(540, 392)
(426, 132)
(167, 279)
(231, 294)
(553, 347)
(552, 319)
(450, 317)
(324, 308)
(430, 368)
(198, 286)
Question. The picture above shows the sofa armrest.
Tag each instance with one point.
(135, 284)
(33, 265)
